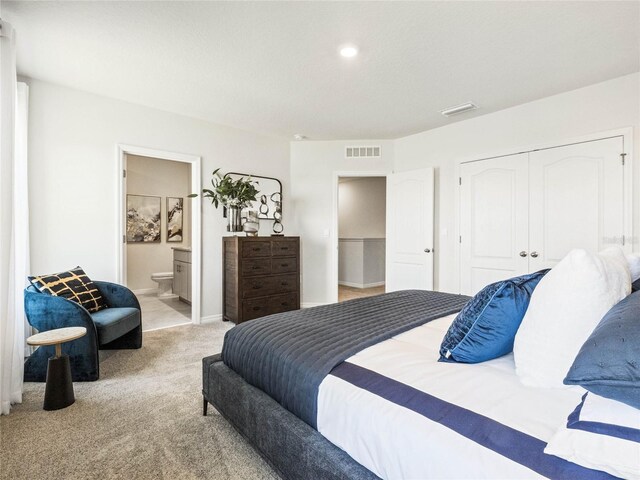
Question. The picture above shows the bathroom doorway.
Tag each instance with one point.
(160, 236)
(361, 236)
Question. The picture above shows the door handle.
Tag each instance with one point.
(524, 254)
(534, 254)
(427, 250)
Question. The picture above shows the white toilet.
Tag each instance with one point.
(165, 283)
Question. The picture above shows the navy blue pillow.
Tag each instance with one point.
(486, 327)
(608, 363)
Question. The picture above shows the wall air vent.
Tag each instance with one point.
(465, 107)
(362, 152)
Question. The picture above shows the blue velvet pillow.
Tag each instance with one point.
(608, 363)
(486, 327)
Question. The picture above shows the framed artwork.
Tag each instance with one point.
(270, 196)
(143, 219)
(174, 219)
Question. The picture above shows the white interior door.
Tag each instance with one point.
(410, 230)
(576, 200)
(493, 221)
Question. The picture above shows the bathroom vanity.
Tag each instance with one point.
(182, 273)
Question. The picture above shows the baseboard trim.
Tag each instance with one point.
(311, 304)
(144, 291)
(361, 285)
(211, 319)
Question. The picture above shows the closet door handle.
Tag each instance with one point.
(534, 254)
(524, 254)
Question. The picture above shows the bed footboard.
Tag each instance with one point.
(290, 446)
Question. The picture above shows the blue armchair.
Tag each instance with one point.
(116, 327)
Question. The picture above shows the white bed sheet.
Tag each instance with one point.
(397, 443)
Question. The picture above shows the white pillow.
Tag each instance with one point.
(601, 434)
(564, 309)
(634, 265)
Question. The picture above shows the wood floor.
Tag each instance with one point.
(349, 293)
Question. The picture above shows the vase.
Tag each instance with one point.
(234, 222)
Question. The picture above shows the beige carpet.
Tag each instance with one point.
(142, 419)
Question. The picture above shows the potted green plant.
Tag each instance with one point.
(234, 195)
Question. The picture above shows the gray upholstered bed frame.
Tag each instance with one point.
(289, 445)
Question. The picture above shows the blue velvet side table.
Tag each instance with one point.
(58, 391)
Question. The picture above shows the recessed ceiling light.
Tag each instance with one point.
(465, 107)
(298, 136)
(349, 51)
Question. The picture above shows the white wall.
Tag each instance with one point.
(73, 176)
(361, 207)
(361, 262)
(314, 200)
(609, 105)
(160, 178)
(73, 173)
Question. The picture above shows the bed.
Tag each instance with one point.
(354, 390)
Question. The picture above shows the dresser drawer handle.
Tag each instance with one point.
(284, 248)
(285, 304)
(255, 309)
(256, 249)
(284, 284)
(257, 287)
(255, 267)
(284, 264)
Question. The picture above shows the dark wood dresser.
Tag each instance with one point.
(261, 276)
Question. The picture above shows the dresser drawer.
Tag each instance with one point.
(284, 265)
(260, 248)
(283, 303)
(284, 284)
(284, 247)
(256, 266)
(257, 287)
(261, 276)
(255, 308)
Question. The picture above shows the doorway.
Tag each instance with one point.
(361, 236)
(160, 235)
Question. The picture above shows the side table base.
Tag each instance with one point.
(59, 388)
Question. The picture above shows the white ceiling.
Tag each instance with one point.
(273, 67)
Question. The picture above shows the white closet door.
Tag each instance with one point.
(493, 221)
(576, 200)
(410, 230)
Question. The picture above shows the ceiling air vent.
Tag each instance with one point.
(362, 152)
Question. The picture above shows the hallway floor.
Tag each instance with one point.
(162, 312)
(349, 293)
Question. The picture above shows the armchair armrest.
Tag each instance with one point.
(46, 312)
(117, 295)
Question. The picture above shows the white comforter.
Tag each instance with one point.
(395, 442)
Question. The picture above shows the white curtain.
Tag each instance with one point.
(14, 221)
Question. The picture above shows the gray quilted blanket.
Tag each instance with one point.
(288, 355)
